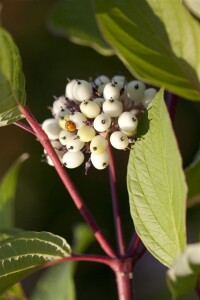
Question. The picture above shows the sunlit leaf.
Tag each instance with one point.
(12, 83)
(156, 185)
(7, 194)
(58, 281)
(157, 41)
(75, 20)
(26, 252)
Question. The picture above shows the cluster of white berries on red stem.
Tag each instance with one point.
(93, 114)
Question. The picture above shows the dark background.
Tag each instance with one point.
(41, 201)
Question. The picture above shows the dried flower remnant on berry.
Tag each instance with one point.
(92, 114)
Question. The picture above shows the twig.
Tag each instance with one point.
(24, 126)
(43, 139)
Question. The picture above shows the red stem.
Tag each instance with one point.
(134, 244)
(115, 204)
(24, 126)
(124, 278)
(43, 139)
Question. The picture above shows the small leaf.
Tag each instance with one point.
(193, 6)
(7, 193)
(192, 177)
(75, 20)
(184, 273)
(26, 252)
(157, 41)
(156, 185)
(58, 281)
(12, 83)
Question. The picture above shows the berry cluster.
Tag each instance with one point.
(92, 114)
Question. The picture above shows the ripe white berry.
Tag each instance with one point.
(111, 91)
(100, 161)
(148, 96)
(74, 144)
(98, 144)
(100, 80)
(102, 122)
(69, 90)
(86, 133)
(62, 113)
(99, 101)
(119, 78)
(113, 108)
(127, 121)
(79, 119)
(119, 140)
(51, 128)
(82, 90)
(64, 136)
(135, 91)
(59, 104)
(90, 109)
(73, 160)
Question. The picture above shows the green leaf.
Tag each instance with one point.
(58, 281)
(193, 6)
(183, 275)
(26, 252)
(157, 41)
(15, 292)
(192, 177)
(7, 194)
(12, 83)
(156, 185)
(75, 20)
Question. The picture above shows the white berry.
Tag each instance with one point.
(64, 136)
(100, 161)
(90, 109)
(101, 80)
(82, 90)
(51, 128)
(148, 96)
(135, 91)
(102, 122)
(86, 133)
(113, 108)
(73, 160)
(62, 120)
(69, 90)
(98, 144)
(59, 104)
(119, 140)
(128, 121)
(111, 91)
(74, 144)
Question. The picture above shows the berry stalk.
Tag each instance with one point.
(115, 204)
(44, 140)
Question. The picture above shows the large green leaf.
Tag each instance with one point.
(26, 252)
(7, 194)
(58, 281)
(193, 177)
(156, 185)
(12, 83)
(157, 40)
(75, 20)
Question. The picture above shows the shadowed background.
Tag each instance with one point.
(41, 201)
